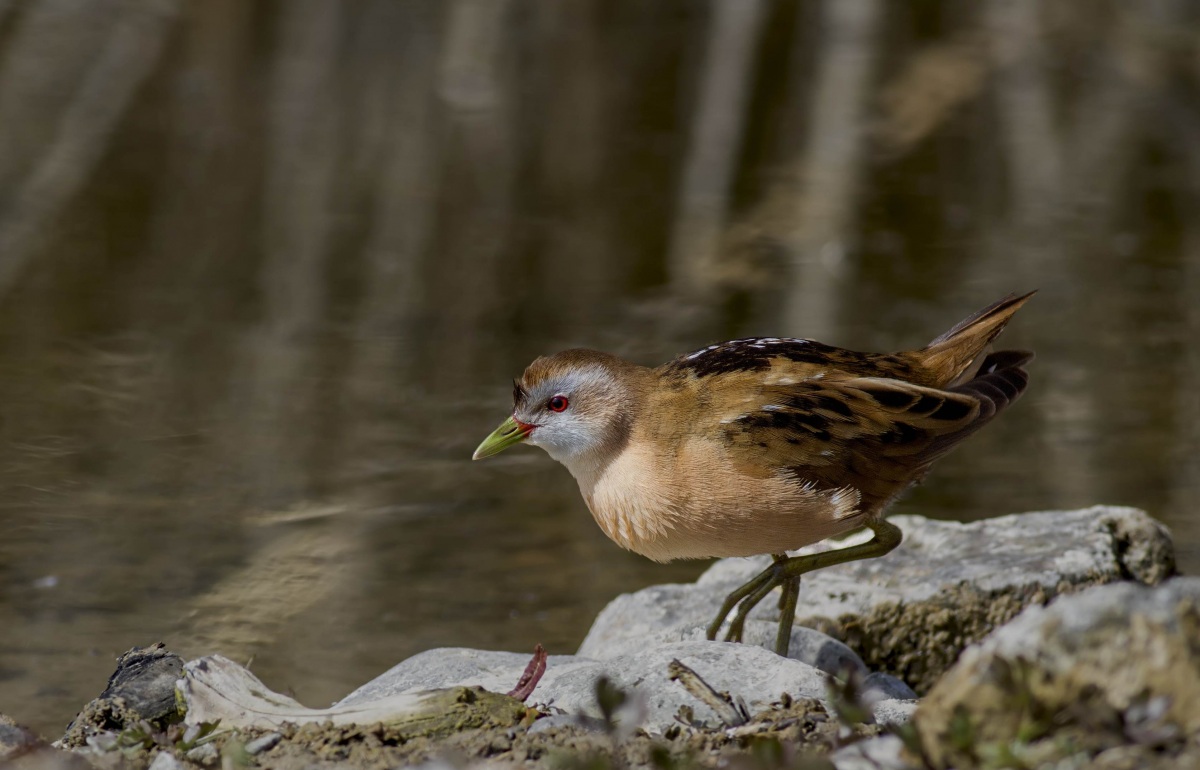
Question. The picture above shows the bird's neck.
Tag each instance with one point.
(629, 400)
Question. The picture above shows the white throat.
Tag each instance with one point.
(581, 437)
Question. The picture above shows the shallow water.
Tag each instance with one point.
(245, 362)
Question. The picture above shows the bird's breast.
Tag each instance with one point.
(636, 504)
(691, 504)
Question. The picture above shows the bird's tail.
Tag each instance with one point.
(955, 357)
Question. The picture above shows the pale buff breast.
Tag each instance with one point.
(694, 504)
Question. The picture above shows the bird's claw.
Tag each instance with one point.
(747, 598)
(786, 572)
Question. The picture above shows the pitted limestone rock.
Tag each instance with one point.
(911, 612)
(459, 666)
(808, 645)
(1113, 666)
(757, 676)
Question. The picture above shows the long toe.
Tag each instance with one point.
(739, 619)
(731, 601)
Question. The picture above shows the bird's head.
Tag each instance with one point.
(577, 405)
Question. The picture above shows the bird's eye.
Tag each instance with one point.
(558, 404)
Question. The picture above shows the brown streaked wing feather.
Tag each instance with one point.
(773, 358)
(949, 357)
(874, 434)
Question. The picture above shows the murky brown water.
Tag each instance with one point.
(248, 344)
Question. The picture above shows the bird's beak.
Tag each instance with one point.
(510, 432)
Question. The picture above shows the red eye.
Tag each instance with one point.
(558, 404)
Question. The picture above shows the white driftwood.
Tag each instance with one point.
(215, 688)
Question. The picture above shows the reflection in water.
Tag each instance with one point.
(267, 271)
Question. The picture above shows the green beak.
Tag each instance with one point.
(510, 432)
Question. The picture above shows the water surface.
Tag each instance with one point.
(268, 276)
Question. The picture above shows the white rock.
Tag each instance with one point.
(204, 753)
(881, 753)
(672, 612)
(1003, 564)
(636, 623)
(757, 676)
(894, 711)
(165, 760)
(457, 666)
(555, 721)
(1090, 545)
(263, 743)
(807, 645)
(1127, 651)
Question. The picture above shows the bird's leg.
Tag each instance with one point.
(786, 572)
(739, 620)
(764, 578)
(789, 593)
(731, 601)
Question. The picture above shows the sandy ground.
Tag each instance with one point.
(792, 734)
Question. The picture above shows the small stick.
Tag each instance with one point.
(732, 714)
(531, 676)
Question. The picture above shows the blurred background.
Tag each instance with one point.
(267, 270)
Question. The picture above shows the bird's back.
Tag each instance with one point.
(950, 359)
(767, 444)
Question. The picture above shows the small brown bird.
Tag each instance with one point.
(761, 445)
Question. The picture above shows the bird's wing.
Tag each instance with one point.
(874, 434)
(786, 358)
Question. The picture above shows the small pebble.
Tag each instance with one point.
(894, 712)
(810, 646)
(263, 743)
(165, 760)
(549, 723)
(15, 739)
(807, 645)
(204, 753)
(105, 741)
(879, 686)
(191, 733)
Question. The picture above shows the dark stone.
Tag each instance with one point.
(16, 740)
(141, 688)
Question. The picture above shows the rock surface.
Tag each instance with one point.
(165, 761)
(459, 666)
(15, 739)
(911, 613)
(879, 686)
(1106, 674)
(663, 606)
(141, 688)
(215, 690)
(894, 711)
(885, 752)
(757, 676)
(1113, 667)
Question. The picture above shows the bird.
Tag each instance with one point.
(761, 445)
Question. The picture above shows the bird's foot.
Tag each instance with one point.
(785, 572)
(749, 595)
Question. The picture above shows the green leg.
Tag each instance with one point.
(763, 578)
(786, 572)
(789, 593)
(739, 621)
